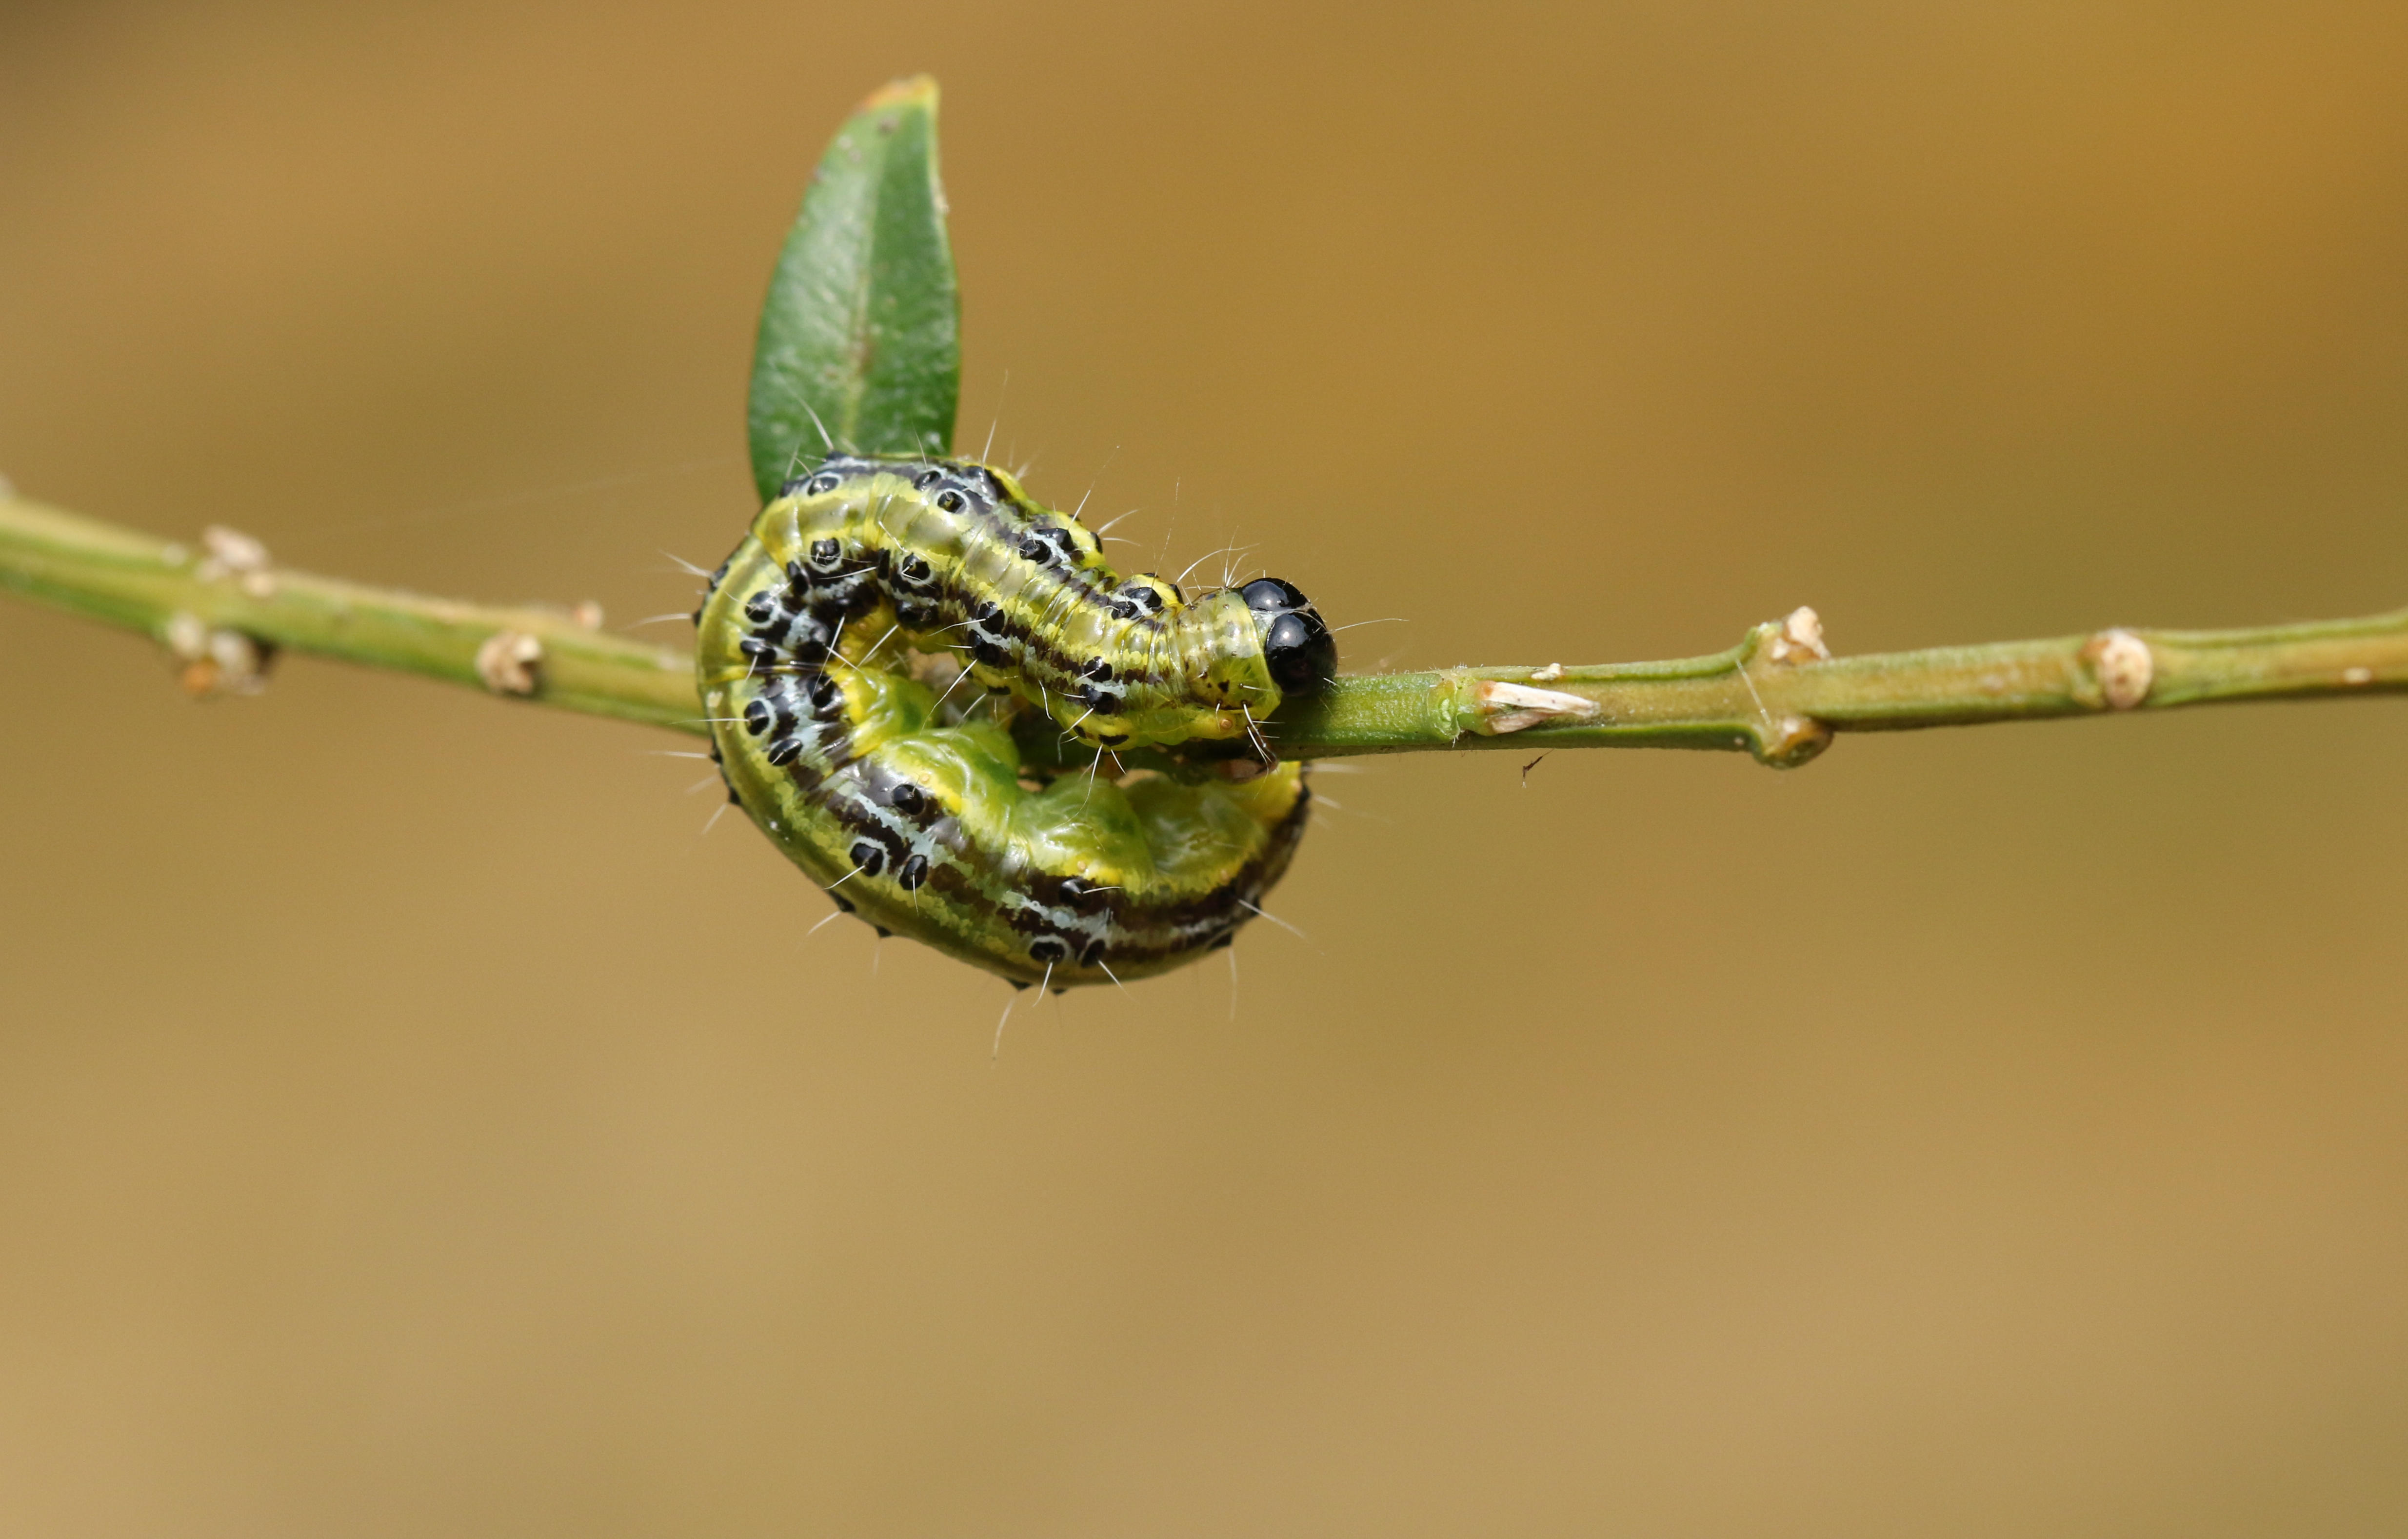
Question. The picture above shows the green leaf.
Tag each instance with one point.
(860, 337)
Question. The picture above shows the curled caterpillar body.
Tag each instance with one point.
(846, 755)
(1023, 594)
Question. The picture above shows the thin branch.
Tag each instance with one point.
(184, 597)
(1777, 694)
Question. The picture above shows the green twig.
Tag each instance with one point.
(185, 598)
(1776, 695)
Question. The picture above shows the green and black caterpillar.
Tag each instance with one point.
(832, 726)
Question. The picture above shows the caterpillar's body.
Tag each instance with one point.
(845, 756)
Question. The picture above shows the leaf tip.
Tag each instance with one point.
(911, 91)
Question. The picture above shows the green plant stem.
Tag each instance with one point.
(125, 578)
(1784, 712)
(1773, 695)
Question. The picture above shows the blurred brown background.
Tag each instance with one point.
(411, 1122)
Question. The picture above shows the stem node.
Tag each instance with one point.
(510, 662)
(1500, 707)
(2121, 668)
(1791, 741)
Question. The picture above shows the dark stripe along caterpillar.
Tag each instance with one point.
(834, 732)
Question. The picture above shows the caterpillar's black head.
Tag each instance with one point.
(1301, 654)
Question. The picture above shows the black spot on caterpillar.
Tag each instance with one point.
(824, 642)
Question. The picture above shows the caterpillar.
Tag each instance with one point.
(825, 642)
